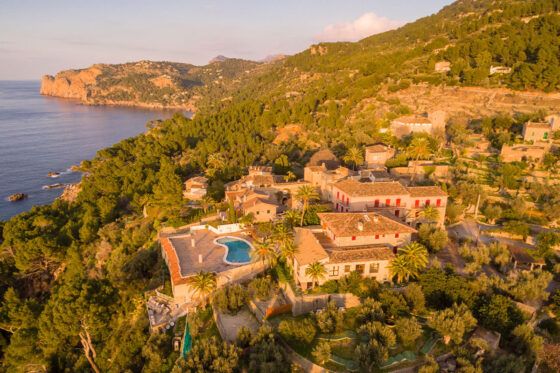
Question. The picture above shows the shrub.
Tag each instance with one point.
(393, 303)
(408, 331)
(330, 319)
(322, 352)
(299, 331)
(261, 287)
(415, 297)
(244, 337)
(370, 310)
(231, 299)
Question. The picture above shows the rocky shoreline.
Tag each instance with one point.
(18, 197)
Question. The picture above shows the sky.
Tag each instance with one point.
(43, 37)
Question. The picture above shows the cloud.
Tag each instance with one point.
(368, 24)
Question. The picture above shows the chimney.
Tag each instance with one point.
(200, 258)
(360, 225)
(375, 218)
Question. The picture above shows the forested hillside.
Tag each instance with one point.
(68, 269)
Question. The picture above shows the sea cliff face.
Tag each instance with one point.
(147, 84)
(74, 84)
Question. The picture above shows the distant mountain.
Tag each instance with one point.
(219, 58)
(273, 58)
(147, 83)
(470, 37)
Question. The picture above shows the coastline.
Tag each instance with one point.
(189, 108)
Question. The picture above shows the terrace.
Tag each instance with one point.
(197, 251)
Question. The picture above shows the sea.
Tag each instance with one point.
(41, 134)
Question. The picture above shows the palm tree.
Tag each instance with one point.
(282, 234)
(419, 148)
(202, 284)
(263, 251)
(354, 156)
(291, 217)
(288, 252)
(415, 256)
(207, 202)
(305, 194)
(429, 213)
(399, 267)
(214, 163)
(316, 271)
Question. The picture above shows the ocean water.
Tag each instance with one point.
(41, 134)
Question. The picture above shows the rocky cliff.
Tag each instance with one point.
(147, 83)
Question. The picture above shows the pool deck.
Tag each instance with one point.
(212, 253)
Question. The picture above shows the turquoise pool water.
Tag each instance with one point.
(238, 250)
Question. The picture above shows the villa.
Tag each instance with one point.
(377, 155)
(346, 242)
(195, 188)
(261, 179)
(538, 131)
(406, 125)
(391, 197)
(223, 251)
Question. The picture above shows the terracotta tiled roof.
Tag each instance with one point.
(174, 268)
(377, 148)
(309, 248)
(324, 156)
(361, 254)
(544, 125)
(346, 224)
(354, 188)
(426, 191)
(412, 120)
(255, 202)
(200, 180)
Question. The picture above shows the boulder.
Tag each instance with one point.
(18, 197)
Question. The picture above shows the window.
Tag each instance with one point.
(397, 213)
(337, 206)
(417, 203)
(353, 238)
(398, 202)
(376, 236)
(532, 134)
(417, 214)
(347, 268)
(396, 235)
(395, 249)
(258, 212)
(360, 268)
(334, 271)
(387, 202)
(268, 211)
(545, 136)
(438, 202)
(374, 268)
(376, 204)
(427, 202)
(347, 200)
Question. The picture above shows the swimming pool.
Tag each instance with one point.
(237, 249)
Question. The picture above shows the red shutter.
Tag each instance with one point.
(353, 238)
(397, 212)
(396, 235)
(376, 236)
(387, 202)
(376, 203)
(417, 203)
(438, 202)
(427, 202)
(337, 194)
(398, 202)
